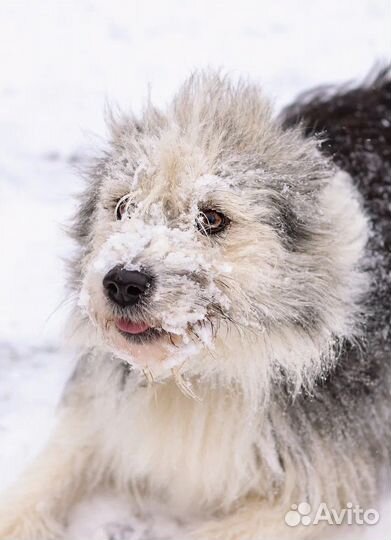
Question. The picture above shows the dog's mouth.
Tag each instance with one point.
(138, 332)
(132, 328)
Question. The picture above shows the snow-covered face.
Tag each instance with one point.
(170, 264)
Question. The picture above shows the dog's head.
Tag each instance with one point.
(209, 226)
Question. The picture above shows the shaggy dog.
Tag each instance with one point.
(233, 286)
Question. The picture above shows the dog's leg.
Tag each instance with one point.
(37, 506)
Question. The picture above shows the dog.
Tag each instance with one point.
(232, 285)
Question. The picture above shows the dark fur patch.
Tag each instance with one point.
(292, 231)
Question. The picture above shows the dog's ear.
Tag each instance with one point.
(80, 228)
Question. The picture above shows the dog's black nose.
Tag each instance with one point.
(125, 287)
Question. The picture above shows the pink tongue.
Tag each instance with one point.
(131, 328)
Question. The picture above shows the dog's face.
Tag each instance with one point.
(207, 221)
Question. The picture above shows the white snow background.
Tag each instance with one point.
(60, 61)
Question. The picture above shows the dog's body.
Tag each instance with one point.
(266, 331)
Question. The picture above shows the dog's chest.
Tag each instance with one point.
(194, 454)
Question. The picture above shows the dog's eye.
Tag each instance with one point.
(122, 207)
(211, 222)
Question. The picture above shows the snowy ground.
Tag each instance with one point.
(60, 61)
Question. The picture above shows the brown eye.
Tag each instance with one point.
(211, 222)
